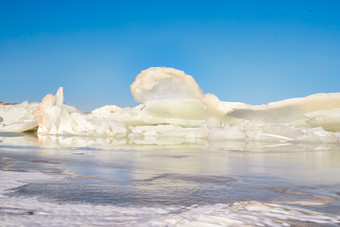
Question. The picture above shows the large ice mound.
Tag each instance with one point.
(174, 106)
(172, 93)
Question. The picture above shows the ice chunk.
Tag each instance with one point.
(327, 119)
(289, 110)
(165, 134)
(56, 118)
(257, 130)
(159, 83)
(171, 93)
(11, 113)
(17, 117)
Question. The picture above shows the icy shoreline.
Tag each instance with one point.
(175, 107)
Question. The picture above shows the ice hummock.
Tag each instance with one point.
(174, 106)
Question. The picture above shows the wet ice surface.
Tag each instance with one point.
(182, 185)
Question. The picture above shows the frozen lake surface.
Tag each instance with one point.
(117, 183)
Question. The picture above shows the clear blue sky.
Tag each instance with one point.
(248, 51)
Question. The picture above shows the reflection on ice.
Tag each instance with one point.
(124, 159)
(168, 142)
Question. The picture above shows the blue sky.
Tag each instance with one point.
(249, 51)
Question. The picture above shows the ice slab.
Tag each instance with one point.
(56, 118)
(288, 111)
(17, 117)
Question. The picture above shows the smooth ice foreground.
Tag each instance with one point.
(173, 106)
(35, 198)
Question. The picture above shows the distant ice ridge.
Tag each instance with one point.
(173, 106)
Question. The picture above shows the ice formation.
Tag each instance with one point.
(56, 118)
(17, 117)
(174, 106)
